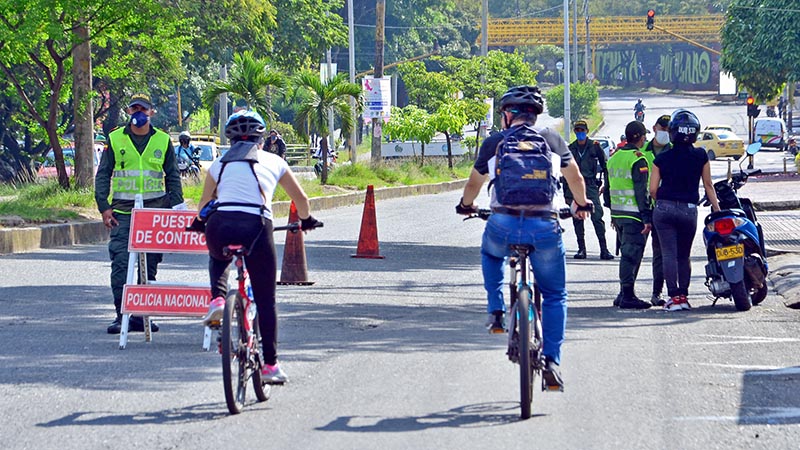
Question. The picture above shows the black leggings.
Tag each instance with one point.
(239, 228)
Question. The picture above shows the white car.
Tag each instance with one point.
(771, 132)
(208, 153)
(606, 143)
(727, 128)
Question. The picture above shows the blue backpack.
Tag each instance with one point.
(523, 169)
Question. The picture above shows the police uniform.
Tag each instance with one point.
(627, 194)
(131, 165)
(592, 162)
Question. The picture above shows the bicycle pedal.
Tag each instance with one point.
(556, 388)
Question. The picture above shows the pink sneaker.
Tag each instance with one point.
(215, 311)
(273, 374)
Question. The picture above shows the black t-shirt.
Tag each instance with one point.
(681, 169)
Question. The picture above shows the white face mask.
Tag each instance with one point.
(662, 137)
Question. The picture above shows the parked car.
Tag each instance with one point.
(719, 128)
(720, 143)
(47, 167)
(771, 132)
(606, 143)
(208, 153)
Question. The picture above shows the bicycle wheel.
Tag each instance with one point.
(524, 317)
(262, 390)
(234, 354)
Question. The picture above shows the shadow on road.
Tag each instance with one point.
(190, 414)
(469, 416)
(770, 397)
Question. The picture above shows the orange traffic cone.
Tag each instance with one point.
(368, 239)
(293, 270)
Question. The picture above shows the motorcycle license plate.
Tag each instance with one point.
(730, 252)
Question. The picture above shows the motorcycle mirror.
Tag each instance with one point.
(753, 148)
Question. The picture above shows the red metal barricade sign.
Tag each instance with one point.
(165, 300)
(155, 230)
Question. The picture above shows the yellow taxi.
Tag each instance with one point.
(720, 144)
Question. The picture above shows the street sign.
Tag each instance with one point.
(163, 300)
(164, 231)
(377, 97)
(590, 76)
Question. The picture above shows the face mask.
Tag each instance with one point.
(139, 119)
(581, 135)
(662, 137)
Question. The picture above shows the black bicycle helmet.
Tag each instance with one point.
(683, 127)
(184, 137)
(244, 124)
(523, 99)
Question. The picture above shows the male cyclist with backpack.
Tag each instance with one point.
(523, 213)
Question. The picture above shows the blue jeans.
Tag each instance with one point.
(549, 268)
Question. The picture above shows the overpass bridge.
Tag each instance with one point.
(604, 30)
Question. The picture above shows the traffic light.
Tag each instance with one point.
(752, 109)
(651, 18)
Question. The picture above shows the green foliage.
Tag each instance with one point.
(427, 90)
(286, 130)
(760, 45)
(500, 69)
(305, 30)
(250, 80)
(317, 98)
(583, 99)
(410, 124)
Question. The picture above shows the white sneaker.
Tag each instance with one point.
(273, 374)
(685, 303)
(216, 309)
(673, 304)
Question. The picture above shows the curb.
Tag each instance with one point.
(27, 239)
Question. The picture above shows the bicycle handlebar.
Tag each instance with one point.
(294, 227)
(483, 213)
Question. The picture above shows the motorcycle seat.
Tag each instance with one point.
(725, 213)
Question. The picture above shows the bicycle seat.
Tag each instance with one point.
(237, 250)
(522, 248)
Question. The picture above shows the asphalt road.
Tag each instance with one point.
(392, 354)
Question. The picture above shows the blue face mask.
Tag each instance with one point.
(581, 135)
(139, 119)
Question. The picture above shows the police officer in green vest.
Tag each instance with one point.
(660, 143)
(592, 162)
(631, 211)
(139, 159)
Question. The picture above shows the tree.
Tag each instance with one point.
(500, 70)
(452, 117)
(305, 30)
(251, 80)
(583, 99)
(759, 45)
(411, 123)
(37, 66)
(427, 90)
(316, 100)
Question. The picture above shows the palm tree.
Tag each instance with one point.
(317, 99)
(251, 80)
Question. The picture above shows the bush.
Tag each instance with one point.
(583, 98)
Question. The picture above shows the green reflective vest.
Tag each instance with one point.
(136, 173)
(623, 195)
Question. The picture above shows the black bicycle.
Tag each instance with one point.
(525, 339)
(240, 338)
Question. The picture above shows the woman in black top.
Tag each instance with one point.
(674, 179)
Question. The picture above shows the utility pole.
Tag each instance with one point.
(484, 52)
(575, 76)
(567, 113)
(81, 89)
(377, 122)
(351, 56)
(586, 56)
(223, 106)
